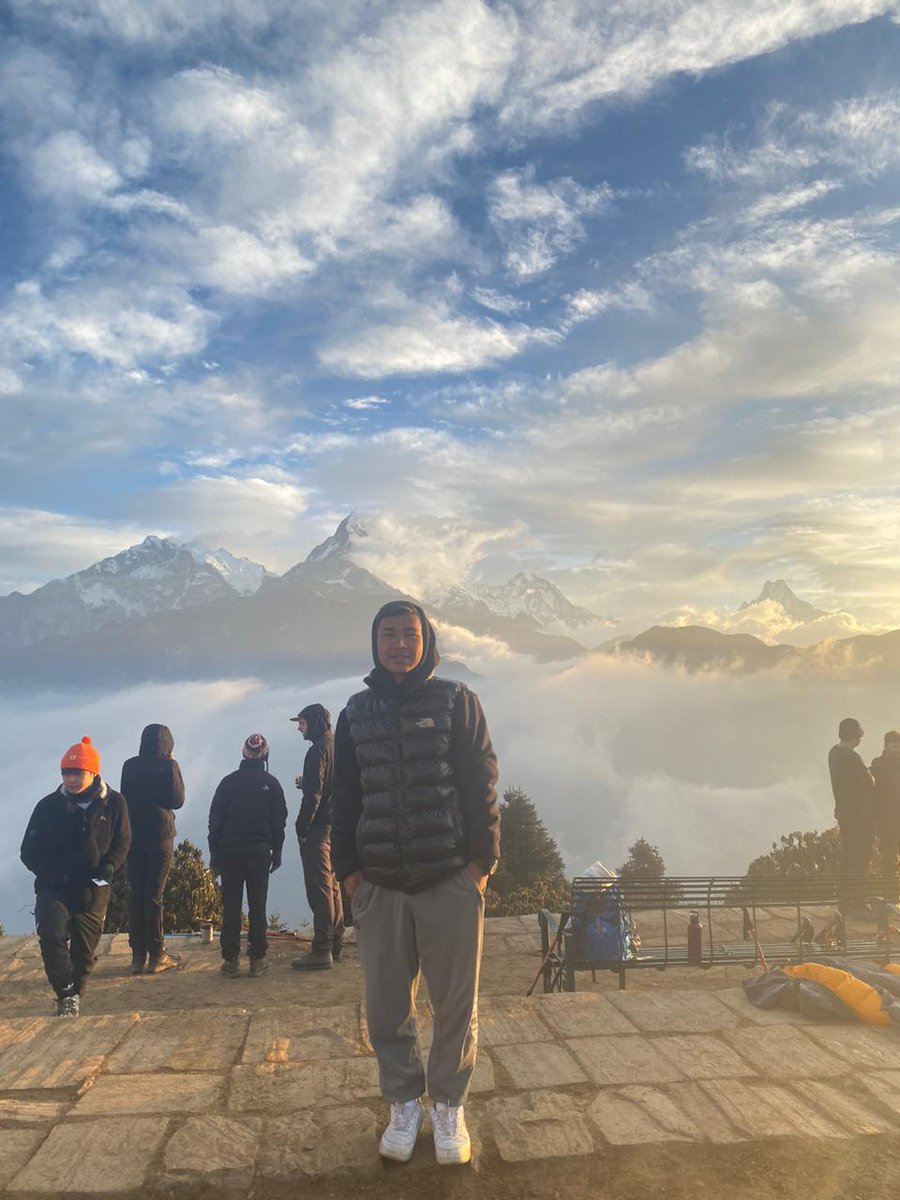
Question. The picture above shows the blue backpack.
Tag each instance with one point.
(604, 930)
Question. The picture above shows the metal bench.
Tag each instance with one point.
(749, 922)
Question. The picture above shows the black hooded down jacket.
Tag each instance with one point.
(66, 846)
(415, 795)
(153, 788)
(318, 769)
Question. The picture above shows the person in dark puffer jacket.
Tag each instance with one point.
(323, 893)
(76, 840)
(415, 836)
(153, 789)
(246, 835)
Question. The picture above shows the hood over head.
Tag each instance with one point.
(157, 739)
(380, 678)
(318, 720)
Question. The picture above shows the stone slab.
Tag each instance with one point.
(31, 1112)
(113, 1094)
(675, 1012)
(99, 1157)
(180, 1041)
(281, 1088)
(784, 1052)
(884, 1086)
(539, 1064)
(581, 1014)
(538, 1125)
(852, 1113)
(702, 1056)
(319, 1143)
(761, 1111)
(505, 1020)
(859, 1046)
(736, 1000)
(16, 1148)
(216, 1151)
(18, 1029)
(282, 1035)
(62, 1054)
(636, 1115)
(622, 1060)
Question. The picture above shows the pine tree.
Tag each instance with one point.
(801, 855)
(643, 862)
(191, 896)
(531, 874)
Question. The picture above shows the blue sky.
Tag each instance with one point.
(609, 292)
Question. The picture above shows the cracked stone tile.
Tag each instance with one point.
(109, 1155)
(314, 1143)
(611, 1060)
(503, 1020)
(180, 1041)
(538, 1125)
(113, 1094)
(62, 1054)
(282, 1035)
(784, 1052)
(701, 1056)
(218, 1152)
(581, 1014)
(675, 1012)
(281, 1088)
(766, 1110)
(539, 1064)
(877, 1047)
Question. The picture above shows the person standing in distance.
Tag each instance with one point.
(76, 840)
(246, 833)
(323, 892)
(153, 789)
(886, 802)
(853, 786)
(416, 833)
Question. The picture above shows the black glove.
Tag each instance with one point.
(276, 861)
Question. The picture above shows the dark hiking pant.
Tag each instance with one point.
(240, 870)
(148, 870)
(437, 933)
(323, 892)
(857, 839)
(68, 930)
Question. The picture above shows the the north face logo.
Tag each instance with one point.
(425, 723)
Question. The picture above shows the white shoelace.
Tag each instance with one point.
(450, 1119)
(404, 1115)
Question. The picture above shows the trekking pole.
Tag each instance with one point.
(546, 959)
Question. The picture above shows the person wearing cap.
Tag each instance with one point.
(246, 834)
(415, 836)
(323, 892)
(77, 838)
(153, 790)
(852, 786)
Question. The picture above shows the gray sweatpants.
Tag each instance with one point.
(439, 933)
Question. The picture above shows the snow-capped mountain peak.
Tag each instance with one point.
(341, 543)
(244, 575)
(536, 597)
(778, 592)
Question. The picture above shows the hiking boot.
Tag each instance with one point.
(231, 967)
(162, 962)
(137, 963)
(316, 960)
(68, 1006)
(451, 1138)
(258, 966)
(399, 1139)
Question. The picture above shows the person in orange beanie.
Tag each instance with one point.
(77, 838)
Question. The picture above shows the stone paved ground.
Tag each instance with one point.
(189, 1082)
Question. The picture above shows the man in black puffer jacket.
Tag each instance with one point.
(415, 835)
(246, 834)
(76, 840)
(153, 790)
(323, 892)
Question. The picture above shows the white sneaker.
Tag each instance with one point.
(68, 1006)
(399, 1139)
(451, 1138)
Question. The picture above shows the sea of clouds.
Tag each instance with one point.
(710, 767)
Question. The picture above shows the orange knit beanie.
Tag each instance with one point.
(81, 757)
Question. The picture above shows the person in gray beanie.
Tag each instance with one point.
(246, 833)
